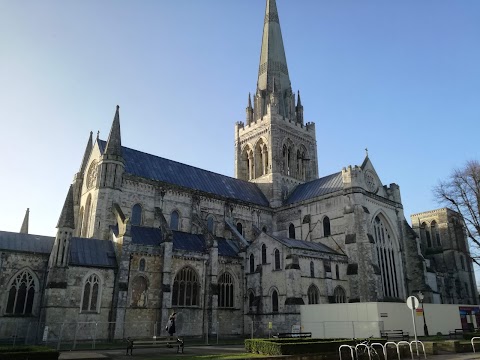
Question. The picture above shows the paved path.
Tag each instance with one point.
(150, 353)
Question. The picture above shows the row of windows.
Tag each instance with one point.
(326, 228)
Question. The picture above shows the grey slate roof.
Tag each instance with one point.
(92, 252)
(314, 188)
(19, 242)
(160, 169)
(306, 245)
(181, 240)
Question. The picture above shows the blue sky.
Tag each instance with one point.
(401, 78)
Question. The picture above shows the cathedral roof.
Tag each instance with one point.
(325, 185)
(142, 235)
(92, 252)
(160, 169)
(306, 245)
(19, 242)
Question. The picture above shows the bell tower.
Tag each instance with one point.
(274, 147)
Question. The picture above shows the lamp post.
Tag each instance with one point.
(425, 327)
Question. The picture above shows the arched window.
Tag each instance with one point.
(210, 224)
(429, 239)
(277, 259)
(264, 229)
(337, 271)
(251, 300)
(225, 291)
(174, 220)
(21, 294)
(136, 215)
(252, 264)
(274, 301)
(435, 234)
(240, 228)
(339, 295)
(326, 226)
(139, 292)
(186, 288)
(141, 265)
(313, 295)
(80, 222)
(291, 231)
(91, 296)
(264, 254)
(312, 269)
(387, 252)
(86, 217)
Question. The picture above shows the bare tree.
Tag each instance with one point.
(461, 191)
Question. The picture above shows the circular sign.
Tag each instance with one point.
(412, 302)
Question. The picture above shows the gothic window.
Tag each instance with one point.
(291, 231)
(210, 224)
(264, 254)
(92, 174)
(312, 269)
(313, 295)
(21, 294)
(435, 234)
(387, 250)
(139, 292)
(261, 159)
(277, 259)
(251, 300)
(80, 222)
(423, 236)
(326, 226)
(174, 220)
(337, 271)
(274, 301)
(186, 288)
(429, 239)
(252, 264)
(225, 291)
(91, 296)
(285, 162)
(86, 218)
(141, 265)
(339, 295)
(327, 267)
(136, 215)
(240, 228)
(264, 229)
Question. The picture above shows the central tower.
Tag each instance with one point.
(274, 147)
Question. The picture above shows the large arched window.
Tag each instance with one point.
(21, 294)
(225, 291)
(91, 296)
(174, 217)
(274, 301)
(313, 295)
(186, 288)
(136, 215)
(435, 233)
(139, 292)
(291, 231)
(86, 217)
(337, 271)
(240, 228)
(312, 269)
(277, 259)
(264, 254)
(339, 295)
(210, 224)
(326, 226)
(387, 258)
(252, 264)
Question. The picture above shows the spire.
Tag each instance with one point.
(114, 142)
(249, 101)
(24, 229)
(299, 109)
(67, 219)
(86, 155)
(272, 58)
(249, 111)
(299, 102)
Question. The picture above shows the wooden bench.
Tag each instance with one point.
(160, 341)
(293, 335)
(394, 334)
(455, 333)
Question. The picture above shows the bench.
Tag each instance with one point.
(455, 333)
(293, 335)
(160, 341)
(394, 334)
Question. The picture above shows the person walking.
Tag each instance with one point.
(129, 346)
(171, 327)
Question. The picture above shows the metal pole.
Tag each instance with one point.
(412, 299)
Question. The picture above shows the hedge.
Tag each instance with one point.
(294, 346)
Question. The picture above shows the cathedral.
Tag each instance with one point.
(141, 236)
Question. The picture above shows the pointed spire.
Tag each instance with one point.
(24, 229)
(86, 155)
(249, 111)
(299, 102)
(67, 219)
(249, 101)
(114, 142)
(272, 57)
(299, 109)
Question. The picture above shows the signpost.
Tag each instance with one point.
(412, 303)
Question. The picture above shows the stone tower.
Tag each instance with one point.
(274, 147)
